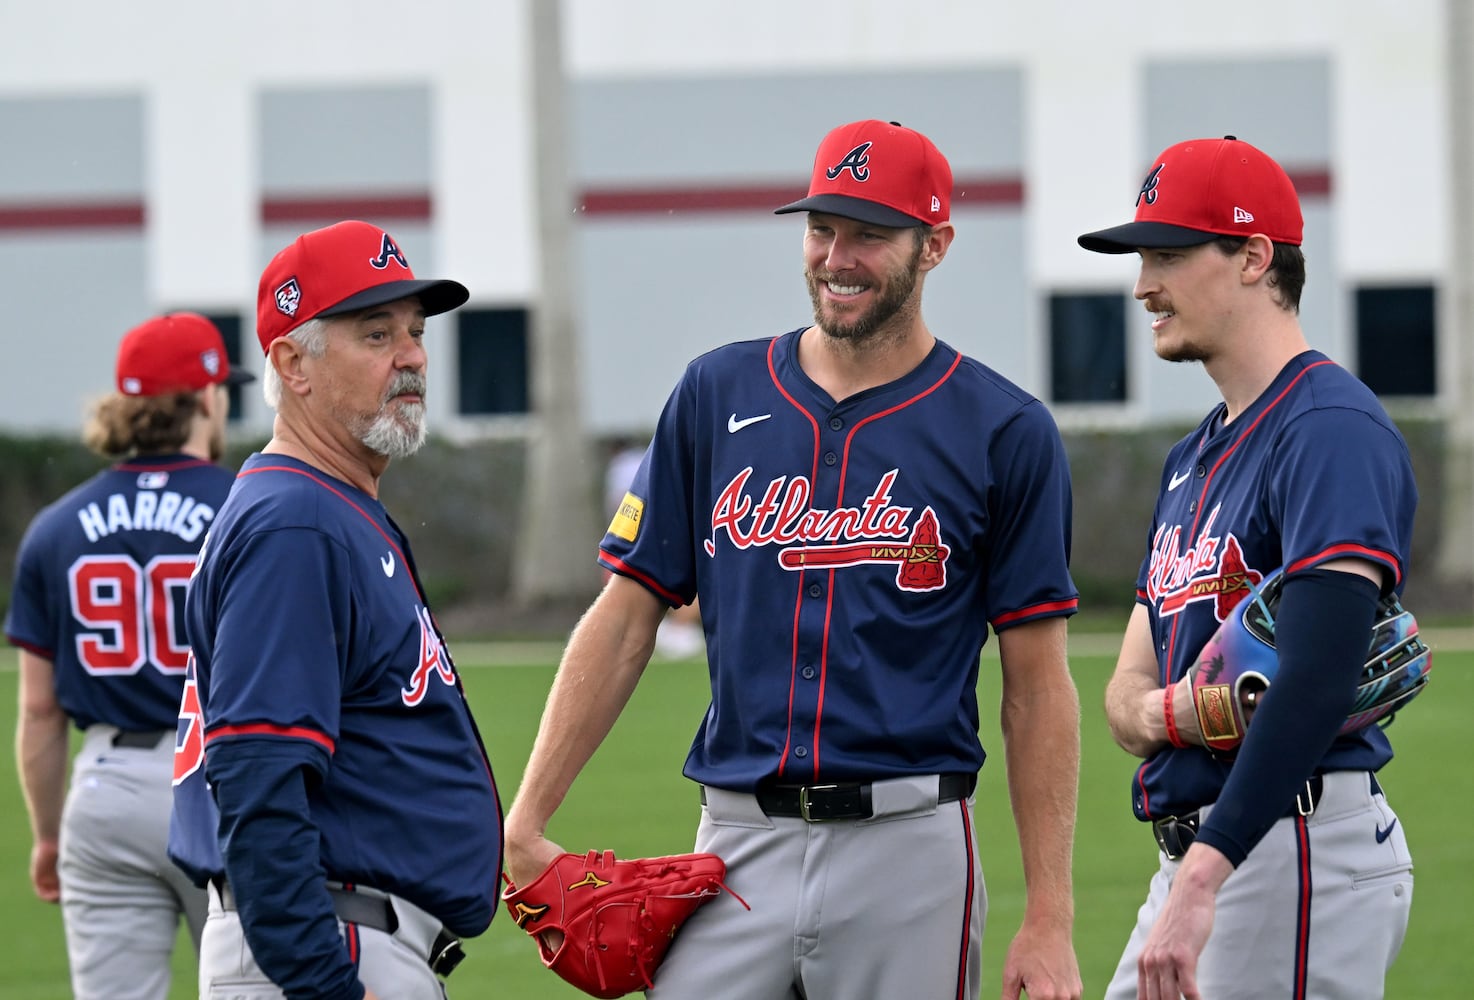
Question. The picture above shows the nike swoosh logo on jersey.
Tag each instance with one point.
(1177, 480)
(1382, 834)
(388, 563)
(734, 425)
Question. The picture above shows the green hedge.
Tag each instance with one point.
(459, 504)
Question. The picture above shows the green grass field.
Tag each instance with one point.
(633, 799)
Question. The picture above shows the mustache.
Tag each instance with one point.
(406, 383)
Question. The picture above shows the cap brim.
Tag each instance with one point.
(1134, 236)
(436, 296)
(238, 376)
(853, 208)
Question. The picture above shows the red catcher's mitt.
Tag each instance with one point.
(617, 917)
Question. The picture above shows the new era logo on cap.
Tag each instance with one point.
(178, 352)
(341, 269)
(881, 173)
(1204, 188)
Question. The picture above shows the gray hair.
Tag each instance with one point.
(313, 337)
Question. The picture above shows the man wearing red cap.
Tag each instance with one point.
(855, 504)
(1283, 870)
(97, 613)
(331, 787)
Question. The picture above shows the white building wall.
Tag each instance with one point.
(200, 70)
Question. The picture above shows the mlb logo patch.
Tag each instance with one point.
(288, 297)
(211, 360)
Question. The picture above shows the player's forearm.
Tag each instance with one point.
(1134, 706)
(1041, 736)
(1136, 714)
(41, 750)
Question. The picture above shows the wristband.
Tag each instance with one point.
(1173, 736)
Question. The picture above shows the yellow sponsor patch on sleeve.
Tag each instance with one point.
(626, 523)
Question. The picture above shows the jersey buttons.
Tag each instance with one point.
(836, 424)
(808, 673)
(830, 458)
(815, 590)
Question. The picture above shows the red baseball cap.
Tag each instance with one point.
(881, 173)
(341, 269)
(1202, 189)
(178, 352)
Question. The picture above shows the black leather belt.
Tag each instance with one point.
(845, 800)
(377, 912)
(1175, 834)
(138, 739)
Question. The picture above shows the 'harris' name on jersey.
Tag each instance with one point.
(147, 510)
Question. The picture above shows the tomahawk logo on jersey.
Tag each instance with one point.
(1213, 570)
(878, 532)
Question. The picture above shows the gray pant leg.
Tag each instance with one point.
(1361, 897)
(121, 896)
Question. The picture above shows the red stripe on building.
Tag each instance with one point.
(330, 208)
(967, 192)
(71, 215)
(1311, 183)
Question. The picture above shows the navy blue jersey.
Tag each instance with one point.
(1313, 471)
(99, 587)
(849, 557)
(311, 633)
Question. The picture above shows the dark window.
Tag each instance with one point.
(229, 325)
(1395, 352)
(491, 346)
(1087, 348)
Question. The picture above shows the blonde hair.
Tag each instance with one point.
(118, 426)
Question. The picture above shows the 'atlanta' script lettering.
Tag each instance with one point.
(782, 515)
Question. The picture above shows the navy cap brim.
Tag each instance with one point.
(1134, 236)
(238, 376)
(858, 209)
(437, 295)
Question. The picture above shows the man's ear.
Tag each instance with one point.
(935, 245)
(207, 400)
(287, 356)
(1258, 253)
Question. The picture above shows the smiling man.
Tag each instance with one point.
(854, 503)
(323, 720)
(1279, 874)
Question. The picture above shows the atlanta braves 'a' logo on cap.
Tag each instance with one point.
(1149, 186)
(288, 297)
(856, 161)
(388, 250)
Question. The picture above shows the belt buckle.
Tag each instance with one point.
(445, 954)
(1175, 850)
(803, 801)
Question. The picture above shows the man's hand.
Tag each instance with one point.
(1041, 966)
(527, 856)
(43, 871)
(1168, 966)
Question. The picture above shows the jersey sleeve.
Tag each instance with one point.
(1030, 522)
(1342, 486)
(283, 637)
